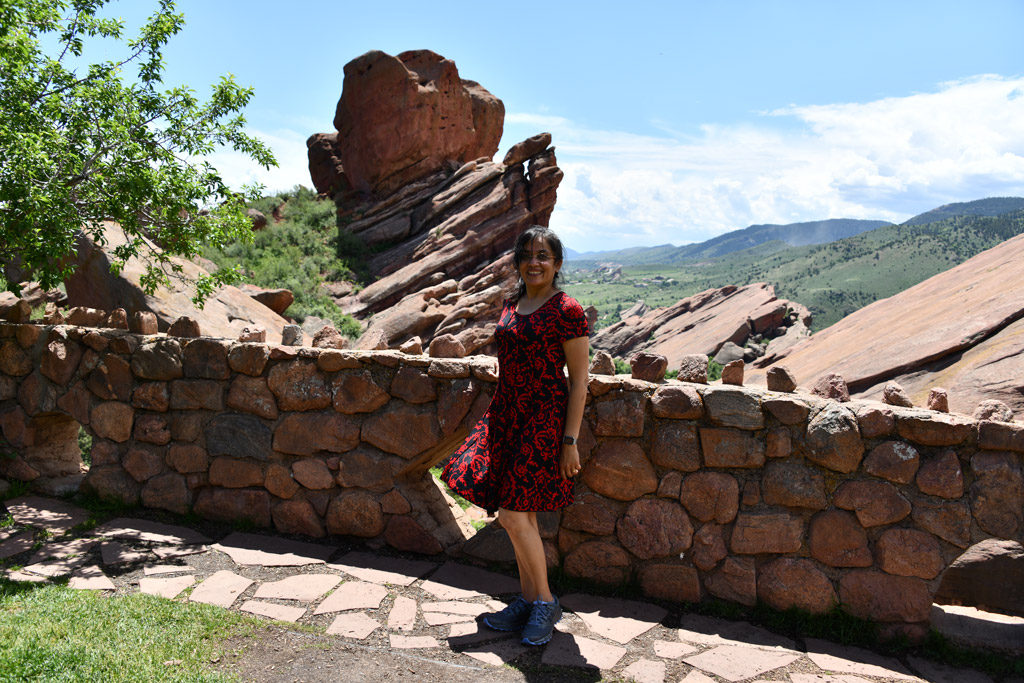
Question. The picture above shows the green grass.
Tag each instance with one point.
(54, 633)
(299, 254)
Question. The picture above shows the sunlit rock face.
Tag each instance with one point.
(410, 168)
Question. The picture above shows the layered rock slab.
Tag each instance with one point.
(961, 329)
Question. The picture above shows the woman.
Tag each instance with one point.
(521, 457)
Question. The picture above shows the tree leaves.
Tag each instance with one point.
(80, 146)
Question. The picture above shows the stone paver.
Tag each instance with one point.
(355, 625)
(737, 663)
(63, 549)
(271, 551)
(383, 570)
(25, 577)
(566, 649)
(305, 587)
(61, 567)
(172, 551)
(468, 633)
(701, 630)
(157, 569)
(623, 639)
(826, 678)
(618, 620)
(456, 607)
(151, 532)
(671, 650)
(353, 595)
(645, 671)
(15, 545)
(413, 642)
(273, 611)
(166, 588)
(940, 673)
(53, 515)
(496, 653)
(402, 616)
(91, 577)
(852, 660)
(458, 582)
(439, 619)
(115, 552)
(697, 677)
(221, 589)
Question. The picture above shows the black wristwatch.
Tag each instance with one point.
(569, 440)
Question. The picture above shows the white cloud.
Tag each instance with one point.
(289, 148)
(887, 159)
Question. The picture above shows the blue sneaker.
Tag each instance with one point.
(543, 618)
(512, 618)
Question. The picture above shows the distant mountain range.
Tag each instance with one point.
(793, 234)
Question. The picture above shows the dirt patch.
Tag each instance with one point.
(280, 654)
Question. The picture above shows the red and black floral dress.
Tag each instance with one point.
(511, 458)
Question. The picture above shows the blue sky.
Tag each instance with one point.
(673, 121)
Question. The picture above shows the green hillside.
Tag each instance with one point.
(793, 234)
(833, 280)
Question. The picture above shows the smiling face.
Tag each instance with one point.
(537, 265)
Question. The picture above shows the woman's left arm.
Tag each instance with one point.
(577, 361)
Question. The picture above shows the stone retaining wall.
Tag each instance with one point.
(693, 490)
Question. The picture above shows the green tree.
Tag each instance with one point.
(82, 144)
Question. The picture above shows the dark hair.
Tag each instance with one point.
(534, 232)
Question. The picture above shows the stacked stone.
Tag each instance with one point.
(790, 499)
(310, 441)
(690, 489)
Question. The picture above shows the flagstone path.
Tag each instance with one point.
(429, 609)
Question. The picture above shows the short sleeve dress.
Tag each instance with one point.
(511, 458)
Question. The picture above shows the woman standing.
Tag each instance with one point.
(521, 457)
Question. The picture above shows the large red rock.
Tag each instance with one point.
(404, 430)
(355, 513)
(711, 496)
(764, 532)
(878, 596)
(786, 583)
(410, 114)
(836, 539)
(309, 433)
(405, 533)
(226, 313)
(299, 385)
(298, 517)
(909, 552)
(735, 580)
(674, 582)
(600, 562)
(709, 547)
(701, 324)
(234, 505)
(619, 469)
(969, 314)
(874, 502)
(655, 527)
(997, 494)
(990, 575)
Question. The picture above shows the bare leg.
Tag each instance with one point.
(533, 569)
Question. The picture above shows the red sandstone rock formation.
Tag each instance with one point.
(411, 172)
(225, 314)
(962, 330)
(703, 323)
(407, 116)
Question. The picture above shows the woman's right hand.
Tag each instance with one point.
(570, 464)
